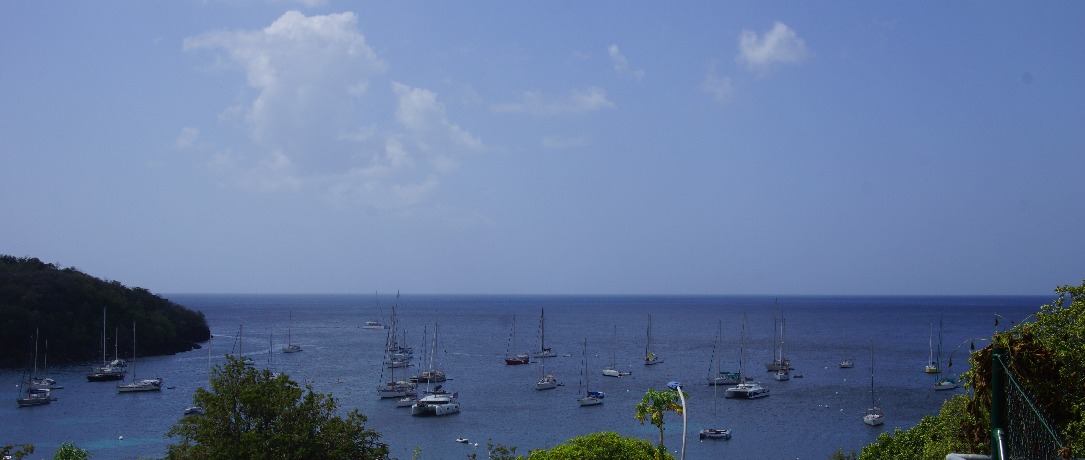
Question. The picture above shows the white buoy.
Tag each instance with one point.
(120, 438)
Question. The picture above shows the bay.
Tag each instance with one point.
(808, 417)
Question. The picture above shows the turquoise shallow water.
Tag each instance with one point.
(809, 417)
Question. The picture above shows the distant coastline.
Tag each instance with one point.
(65, 307)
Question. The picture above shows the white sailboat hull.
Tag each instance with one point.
(589, 401)
(141, 386)
(546, 384)
(945, 385)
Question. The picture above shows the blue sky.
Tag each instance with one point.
(552, 147)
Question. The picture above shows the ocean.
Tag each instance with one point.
(804, 418)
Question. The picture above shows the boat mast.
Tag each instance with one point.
(940, 347)
(133, 351)
(742, 354)
(783, 336)
(103, 337)
(648, 343)
(542, 329)
(930, 360)
(36, 336)
(775, 329)
(872, 403)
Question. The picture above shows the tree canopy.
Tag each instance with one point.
(65, 306)
(601, 446)
(257, 415)
(654, 405)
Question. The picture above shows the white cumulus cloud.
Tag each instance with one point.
(780, 45)
(323, 115)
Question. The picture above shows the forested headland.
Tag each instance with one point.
(65, 306)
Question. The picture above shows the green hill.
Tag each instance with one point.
(66, 305)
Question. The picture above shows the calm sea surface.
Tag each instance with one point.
(809, 417)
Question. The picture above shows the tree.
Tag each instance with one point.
(254, 414)
(601, 446)
(652, 407)
(16, 451)
(68, 451)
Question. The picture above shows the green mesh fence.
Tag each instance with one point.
(1027, 435)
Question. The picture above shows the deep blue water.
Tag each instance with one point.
(810, 417)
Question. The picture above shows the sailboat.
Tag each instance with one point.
(944, 382)
(846, 363)
(33, 396)
(397, 355)
(650, 356)
(784, 373)
(432, 374)
(154, 384)
(246, 360)
(392, 388)
(521, 358)
(194, 409)
(746, 388)
(874, 416)
(589, 398)
(544, 351)
(38, 382)
(374, 324)
(716, 374)
(548, 381)
(612, 369)
(108, 370)
(290, 347)
(715, 433)
(436, 401)
(932, 365)
(779, 362)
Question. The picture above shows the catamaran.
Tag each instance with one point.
(746, 388)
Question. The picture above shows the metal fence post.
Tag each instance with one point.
(998, 398)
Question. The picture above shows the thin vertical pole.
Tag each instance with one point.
(998, 398)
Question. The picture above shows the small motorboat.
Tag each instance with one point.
(462, 440)
(716, 433)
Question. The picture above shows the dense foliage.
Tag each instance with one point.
(931, 439)
(601, 446)
(257, 415)
(65, 306)
(1043, 355)
(69, 451)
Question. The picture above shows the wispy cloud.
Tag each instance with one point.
(621, 64)
(780, 45)
(577, 101)
(718, 86)
(187, 138)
